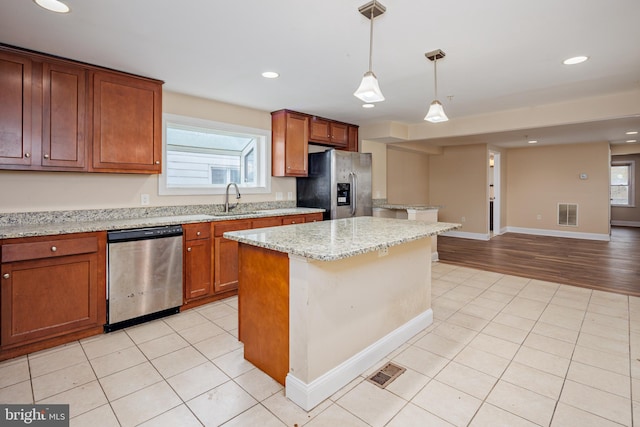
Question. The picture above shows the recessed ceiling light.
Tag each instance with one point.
(532, 141)
(631, 141)
(632, 132)
(368, 105)
(270, 75)
(575, 60)
(53, 5)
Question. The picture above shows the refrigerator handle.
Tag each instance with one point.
(354, 192)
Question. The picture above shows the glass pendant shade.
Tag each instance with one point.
(436, 113)
(53, 5)
(369, 90)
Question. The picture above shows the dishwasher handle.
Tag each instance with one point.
(144, 233)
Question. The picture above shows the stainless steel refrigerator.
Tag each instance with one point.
(339, 182)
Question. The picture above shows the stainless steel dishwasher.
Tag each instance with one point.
(144, 275)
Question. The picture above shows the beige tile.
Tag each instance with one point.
(522, 402)
(289, 412)
(101, 416)
(104, 344)
(609, 298)
(563, 317)
(621, 312)
(201, 332)
(485, 302)
(163, 345)
(533, 379)
(505, 332)
(482, 312)
(440, 345)
(218, 345)
(493, 345)
(569, 416)
(608, 345)
(604, 320)
(185, 320)
(455, 332)
(227, 322)
(603, 404)
(56, 358)
(148, 331)
(539, 291)
(17, 393)
(232, 302)
(447, 403)
(463, 378)
(549, 345)
(524, 307)
(543, 361)
(179, 416)
(61, 380)
(498, 296)
(179, 361)
(117, 361)
(371, 404)
(197, 380)
(408, 384)
(601, 379)
(216, 311)
(413, 416)
(258, 415)
(421, 361)
(258, 384)
(467, 321)
(514, 321)
(601, 359)
(569, 302)
(557, 332)
(491, 416)
(234, 363)
(482, 361)
(344, 390)
(145, 404)
(221, 404)
(14, 371)
(129, 380)
(80, 399)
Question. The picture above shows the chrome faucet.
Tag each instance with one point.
(226, 197)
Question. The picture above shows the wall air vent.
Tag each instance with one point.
(568, 214)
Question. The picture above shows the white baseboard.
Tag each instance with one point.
(466, 235)
(434, 256)
(626, 223)
(559, 233)
(307, 396)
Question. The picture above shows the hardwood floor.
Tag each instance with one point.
(610, 266)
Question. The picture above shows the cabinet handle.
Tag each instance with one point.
(46, 156)
(197, 233)
(6, 275)
(53, 249)
(188, 249)
(157, 162)
(27, 155)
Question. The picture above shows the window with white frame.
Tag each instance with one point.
(622, 179)
(202, 157)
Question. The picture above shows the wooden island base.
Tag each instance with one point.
(315, 325)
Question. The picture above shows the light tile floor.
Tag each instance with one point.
(502, 351)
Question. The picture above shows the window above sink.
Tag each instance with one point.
(202, 157)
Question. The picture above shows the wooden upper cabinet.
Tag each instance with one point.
(328, 132)
(127, 124)
(353, 138)
(289, 143)
(64, 108)
(15, 109)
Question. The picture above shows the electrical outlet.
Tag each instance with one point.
(278, 195)
(463, 219)
(144, 199)
(383, 252)
(538, 216)
(290, 195)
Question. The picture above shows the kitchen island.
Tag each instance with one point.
(320, 303)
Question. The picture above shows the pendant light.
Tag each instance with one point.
(436, 111)
(369, 90)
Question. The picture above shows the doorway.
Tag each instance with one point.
(494, 194)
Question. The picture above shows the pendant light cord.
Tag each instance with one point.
(435, 78)
(371, 36)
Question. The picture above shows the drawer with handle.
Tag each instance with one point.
(12, 252)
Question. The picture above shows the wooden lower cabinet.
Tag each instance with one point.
(198, 261)
(225, 254)
(52, 288)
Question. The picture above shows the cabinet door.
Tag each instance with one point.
(266, 222)
(226, 265)
(319, 130)
(127, 124)
(293, 219)
(15, 109)
(339, 134)
(63, 115)
(353, 139)
(49, 297)
(198, 274)
(297, 146)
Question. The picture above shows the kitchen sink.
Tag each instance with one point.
(232, 213)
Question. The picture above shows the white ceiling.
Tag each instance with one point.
(501, 54)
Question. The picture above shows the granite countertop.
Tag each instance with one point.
(340, 238)
(404, 207)
(72, 225)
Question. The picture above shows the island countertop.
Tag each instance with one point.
(339, 238)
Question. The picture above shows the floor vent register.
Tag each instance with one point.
(385, 376)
